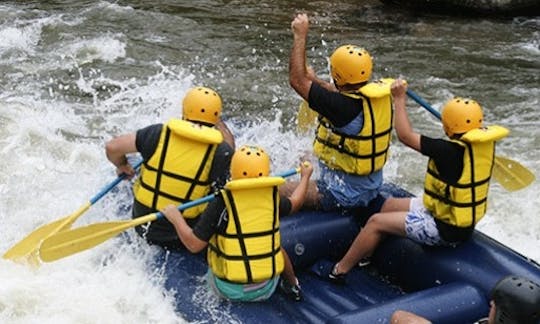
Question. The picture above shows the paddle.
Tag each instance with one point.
(66, 243)
(509, 173)
(30, 244)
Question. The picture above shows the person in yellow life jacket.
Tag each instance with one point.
(456, 183)
(354, 126)
(240, 229)
(183, 159)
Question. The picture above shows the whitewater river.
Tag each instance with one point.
(76, 73)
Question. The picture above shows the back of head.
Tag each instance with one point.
(250, 162)
(350, 64)
(202, 105)
(460, 115)
(517, 301)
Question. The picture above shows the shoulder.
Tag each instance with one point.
(338, 108)
(146, 139)
(151, 130)
(438, 146)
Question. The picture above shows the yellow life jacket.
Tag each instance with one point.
(249, 250)
(179, 169)
(464, 203)
(367, 151)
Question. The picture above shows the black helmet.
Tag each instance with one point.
(517, 301)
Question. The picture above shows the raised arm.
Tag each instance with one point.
(404, 131)
(298, 73)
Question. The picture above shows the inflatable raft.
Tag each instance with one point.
(446, 285)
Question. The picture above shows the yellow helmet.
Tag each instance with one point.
(202, 105)
(250, 162)
(460, 115)
(350, 64)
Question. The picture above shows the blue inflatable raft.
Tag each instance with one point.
(446, 285)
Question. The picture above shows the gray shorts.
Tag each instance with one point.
(420, 225)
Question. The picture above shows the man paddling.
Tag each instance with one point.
(241, 230)
(183, 160)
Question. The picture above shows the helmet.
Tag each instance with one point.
(517, 300)
(460, 115)
(250, 162)
(202, 105)
(350, 64)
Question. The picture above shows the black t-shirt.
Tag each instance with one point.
(448, 159)
(336, 107)
(214, 219)
(161, 231)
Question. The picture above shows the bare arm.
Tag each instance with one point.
(315, 79)
(227, 134)
(298, 74)
(403, 127)
(299, 194)
(185, 233)
(404, 317)
(116, 150)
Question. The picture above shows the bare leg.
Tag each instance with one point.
(288, 271)
(396, 204)
(377, 227)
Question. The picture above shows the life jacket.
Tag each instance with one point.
(367, 151)
(249, 249)
(464, 203)
(179, 169)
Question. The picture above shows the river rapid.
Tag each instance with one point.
(77, 73)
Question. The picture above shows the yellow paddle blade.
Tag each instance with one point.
(307, 118)
(69, 242)
(30, 244)
(511, 174)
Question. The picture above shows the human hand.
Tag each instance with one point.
(126, 169)
(300, 24)
(398, 88)
(306, 169)
(171, 213)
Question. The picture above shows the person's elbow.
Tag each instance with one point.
(194, 245)
(112, 148)
(409, 139)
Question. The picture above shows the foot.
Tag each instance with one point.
(336, 277)
(291, 291)
(326, 270)
(364, 262)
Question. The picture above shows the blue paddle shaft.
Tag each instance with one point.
(111, 185)
(208, 198)
(423, 103)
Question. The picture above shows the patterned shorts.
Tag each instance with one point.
(420, 225)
